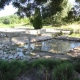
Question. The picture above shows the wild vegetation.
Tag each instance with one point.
(55, 13)
(58, 14)
(13, 20)
(40, 69)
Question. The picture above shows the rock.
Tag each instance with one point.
(28, 57)
(6, 55)
(19, 49)
(0, 46)
(11, 56)
(12, 52)
(37, 56)
(18, 57)
(4, 52)
(26, 46)
(26, 52)
(20, 54)
(3, 58)
(1, 51)
(15, 56)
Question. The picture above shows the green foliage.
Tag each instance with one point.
(13, 19)
(48, 63)
(10, 70)
(4, 2)
(63, 72)
(53, 9)
(41, 69)
(66, 7)
(37, 21)
(77, 66)
(6, 21)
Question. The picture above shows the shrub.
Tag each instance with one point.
(71, 31)
(6, 21)
(37, 21)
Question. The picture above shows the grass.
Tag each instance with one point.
(10, 70)
(8, 26)
(67, 26)
(40, 69)
(63, 72)
(75, 27)
(75, 35)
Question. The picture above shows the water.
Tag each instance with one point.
(58, 46)
(55, 46)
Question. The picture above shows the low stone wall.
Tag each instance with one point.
(68, 38)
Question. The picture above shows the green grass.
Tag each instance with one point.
(39, 69)
(63, 71)
(73, 26)
(75, 35)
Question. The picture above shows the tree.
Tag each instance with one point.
(48, 8)
(4, 2)
(74, 13)
(66, 7)
(77, 8)
(37, 22)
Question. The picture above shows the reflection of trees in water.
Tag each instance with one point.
(60, 46)
(55, 46)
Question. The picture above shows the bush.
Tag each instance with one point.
(63, 72)
(6, 21)
(37, 21)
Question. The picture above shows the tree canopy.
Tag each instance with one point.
(4, 2)
(47, 7)
(54, 9)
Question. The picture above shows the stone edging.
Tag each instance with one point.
(67, 38)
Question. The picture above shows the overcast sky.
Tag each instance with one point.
(8, 10)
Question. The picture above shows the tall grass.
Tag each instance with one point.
(10, 70)
(63, 72)
(40, 69)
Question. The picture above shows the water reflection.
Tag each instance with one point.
(58, 46)
(55, 46)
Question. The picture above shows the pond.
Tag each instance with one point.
(55, 46)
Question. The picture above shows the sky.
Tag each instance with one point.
(9, 10)
(72, 1)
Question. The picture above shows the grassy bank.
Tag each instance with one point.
(40, 69)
